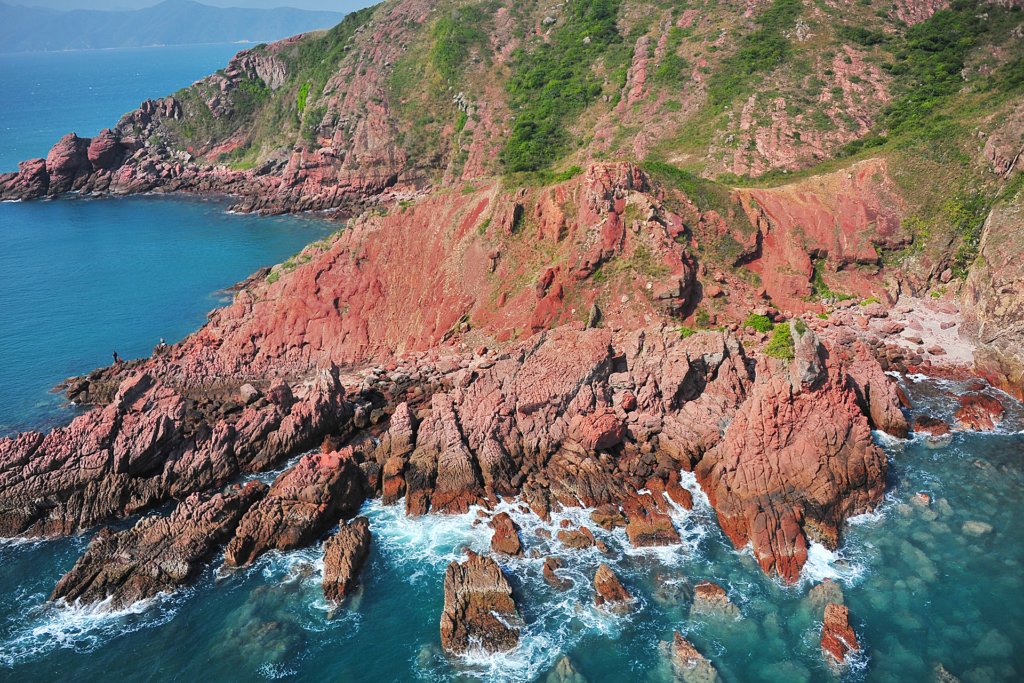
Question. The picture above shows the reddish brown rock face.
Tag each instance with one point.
(837, 637)
(979, 413)
(710, 598)
(302, 503)
(158, 554)
(689, 665)
(877, 397)
(795, 462)
(477, 606)
(344, 555)
(610, 593)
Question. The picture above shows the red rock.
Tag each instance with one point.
(303, 502)
(713, 291)
(837, 637)
(648, 526)
(979, 413)
(680, 496)
(104, 150)
(344, 555)
(478, 605)
(610, 593)
(877, 396)
(710, 598)
(807, 431)
(580, 540)
(505, 538)
(550, 565)
(608, 517)
(598, 431)
(689, 665)
(157, 555)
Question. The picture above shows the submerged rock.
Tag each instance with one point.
(837, 637)
(828, 591)
(689, 665)
(564, 672)
(157, 555)
(710, 598)
(344, 555)
(478, 607)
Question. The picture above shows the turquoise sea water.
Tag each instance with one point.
(79, 279)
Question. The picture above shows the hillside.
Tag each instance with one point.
(814, 151)
(172, 22)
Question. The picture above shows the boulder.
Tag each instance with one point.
(610, 594)
(837, 637)
(344, 555)
(550, 565)
(930, 425)
(479, 611)
(158, 554)
(979, 413)
(505, 539)
(580, 539)
(608, 517)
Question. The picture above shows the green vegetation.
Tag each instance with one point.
(303, 94)
(685, 332)
(760, 50)
(454, 35)
(781, 344)
(870, 300)
(555, 80)
(820, 290)
(761, 323)
(861, 35)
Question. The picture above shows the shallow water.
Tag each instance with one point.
(922, 588)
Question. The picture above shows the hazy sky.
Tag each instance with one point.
(332, 5)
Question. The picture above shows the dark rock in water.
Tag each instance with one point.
(550, 565)
(303, 502)
(837, 637)
(158, 554)
(931, 425)
(672, 589)
(689, 665)
(979, 413)
(610, 593)
(477, 606)
(344, 555)
(505, 539)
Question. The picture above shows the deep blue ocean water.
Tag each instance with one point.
(78, 279)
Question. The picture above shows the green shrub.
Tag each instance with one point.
(761, 323)
(760, 50)
(781, 344)
(861, 35)
(303, 94)
(685, 332)
(555, 80)
(870, 300)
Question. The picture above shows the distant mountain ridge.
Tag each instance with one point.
(172, 22)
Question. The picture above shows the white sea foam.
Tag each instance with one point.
(51, 626)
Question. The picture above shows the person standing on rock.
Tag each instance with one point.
(117, 361)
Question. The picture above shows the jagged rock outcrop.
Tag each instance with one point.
(978, 412)
(303, 502)
(992, 301)
(838, 640)
(876, 394)
(157, 555)
(796, 461)
(710, 598)
(344, 555)
(505, 538)
(151, 444)
(479, 611)
(609, 592)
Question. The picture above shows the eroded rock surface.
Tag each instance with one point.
(157, 555)
(304, 502)
(344, 555)
(837, 638)
(609, 591)
(478, 605)
(689, 665)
